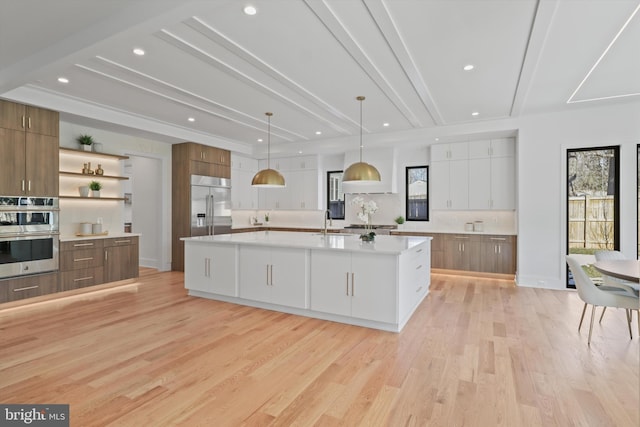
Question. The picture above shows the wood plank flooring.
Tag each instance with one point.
(478, 352)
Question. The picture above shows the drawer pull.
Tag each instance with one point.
(419, 267)
(123, 241)
(83, 259)
(80, 279)
(419, 289)
(460, 237)
(76, 245)
(26, 288)
(419, 250)
(498, 238)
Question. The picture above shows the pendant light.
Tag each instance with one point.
(268, 178)
(361, 172)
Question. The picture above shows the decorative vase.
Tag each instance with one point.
(84, 191)
(95, 193)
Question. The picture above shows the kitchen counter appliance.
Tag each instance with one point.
(29, 235)
(210, 205)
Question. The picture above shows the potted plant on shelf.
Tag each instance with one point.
(399, 220)
(85, 141)
(95, 187)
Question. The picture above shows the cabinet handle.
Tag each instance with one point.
(271, 275)
(347, 282)
(83, 259)
(419, 267)
(123, 241)
(23, 121)
(29, 186)
(353, 284)
(463, 247)
(23, 185)
(267, 279)
(29, 122)
(495, 249)
(419, 289)
(499, 249)
(80, 279)
(26, 288)
(502, 239)
(75, 245)
(461, 237)
(105, 255)
(419, 250)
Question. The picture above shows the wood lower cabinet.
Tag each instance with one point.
(498, 254)
(28, 150)
(462, 252)
(94, 261)
(18, 288)
(120, 258)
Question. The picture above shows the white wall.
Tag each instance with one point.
(146, 173)
(543, 141)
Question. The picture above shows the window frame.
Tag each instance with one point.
(328, 194)
(406, 193)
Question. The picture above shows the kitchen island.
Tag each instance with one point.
(332, 277)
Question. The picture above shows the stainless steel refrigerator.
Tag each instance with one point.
(210, 205)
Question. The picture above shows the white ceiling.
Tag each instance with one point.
(307, 60)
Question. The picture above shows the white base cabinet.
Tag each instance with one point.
(274, 275)
(352, 284)
(211, 268)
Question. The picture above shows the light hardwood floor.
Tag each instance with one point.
(478, 352)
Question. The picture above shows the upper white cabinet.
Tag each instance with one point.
(243, 195)
(384, 159)
(473, 175)
(302, 184)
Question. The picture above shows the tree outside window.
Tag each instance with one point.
(417, 193)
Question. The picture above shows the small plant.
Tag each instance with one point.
(95, 186)
(399, 220)
(85, 139)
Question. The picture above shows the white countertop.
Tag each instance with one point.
(290, 239)
(71, 238)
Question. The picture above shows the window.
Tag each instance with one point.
(417, 193)
(593, 202)
(335, 196)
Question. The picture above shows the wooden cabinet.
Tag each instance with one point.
(94, 261)
(18, 288)
(120, 258)
(462, 252)
(274, 275)
(190, 159)
(353, 284)
(498, 254)
(211, 268)
(28, 150)
(81, 264)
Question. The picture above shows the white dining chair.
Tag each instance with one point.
(613, 282)
(597, 297)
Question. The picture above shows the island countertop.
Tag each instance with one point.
(346, 242)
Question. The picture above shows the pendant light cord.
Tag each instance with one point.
(268, 139)
(360, 98)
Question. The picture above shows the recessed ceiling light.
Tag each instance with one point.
(259, 139)
(437, 139)
(191, 119)
(385, 125)
(299, 151)
(468, 67)
(63, 80)
(475, 113)
(318, 132)
(138, 51)
(250, 10)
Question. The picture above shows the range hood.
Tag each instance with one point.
(384, 159)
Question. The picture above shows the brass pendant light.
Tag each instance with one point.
(361, 172)
(268, 178)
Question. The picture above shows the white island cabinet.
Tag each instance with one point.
(332, 277)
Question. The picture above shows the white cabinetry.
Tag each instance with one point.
(356, 285)
(415, 278)
(492, 174)
(274, 275)
(211, 268)
(473, 175)
(301, 190)
(243, 195)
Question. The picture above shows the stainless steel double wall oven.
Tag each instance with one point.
(29, 235)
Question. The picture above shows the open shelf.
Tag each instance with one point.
(84, 175)
(92, 198)
(92, 153)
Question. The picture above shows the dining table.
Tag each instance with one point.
(621, 269)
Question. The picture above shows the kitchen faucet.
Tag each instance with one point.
(327, 214)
